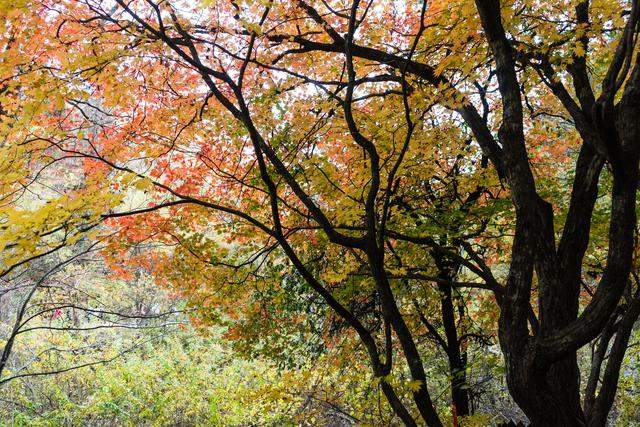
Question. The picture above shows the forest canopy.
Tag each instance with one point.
(267, 212)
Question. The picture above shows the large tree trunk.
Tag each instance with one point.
(542, 373)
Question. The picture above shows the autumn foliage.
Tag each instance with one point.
(381, 181)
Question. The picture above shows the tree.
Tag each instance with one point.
(322, 146)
